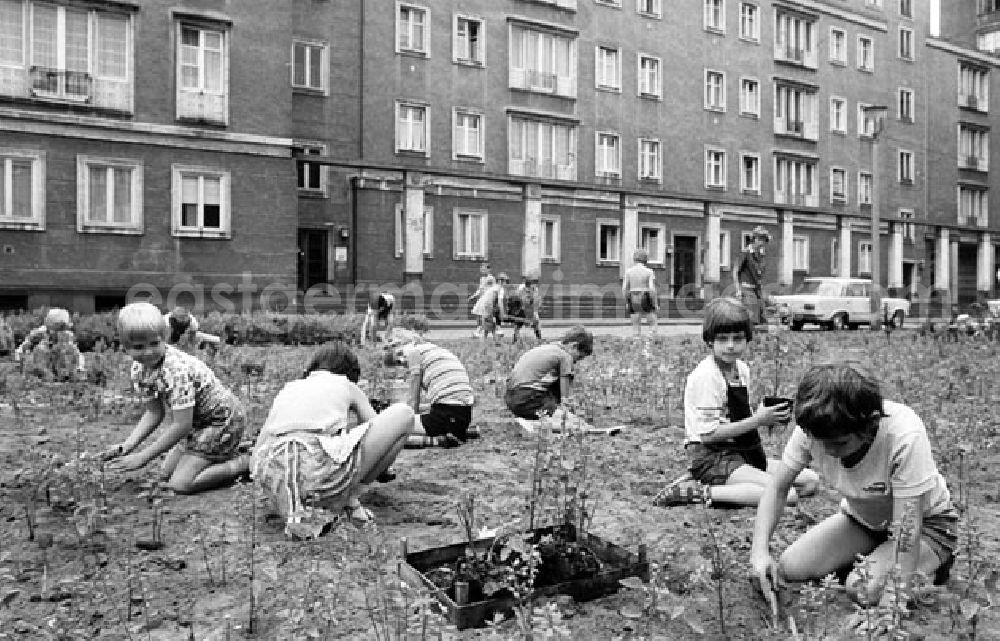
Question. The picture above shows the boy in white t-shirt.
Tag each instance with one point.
(877, 455)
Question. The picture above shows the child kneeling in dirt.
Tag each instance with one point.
(308, 455)
(543, 375)
(438, 378)
(185, 333)
(726, 454)
(876, 454)
(206, 421)
(50, 350)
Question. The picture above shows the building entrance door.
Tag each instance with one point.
(313, 258)
(685, 265)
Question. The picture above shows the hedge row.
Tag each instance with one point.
(258, 328)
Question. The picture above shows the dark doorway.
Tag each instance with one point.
(967, 265)
(313, 258)
(685, 265)
(909, 271)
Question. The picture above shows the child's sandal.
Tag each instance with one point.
(681, 494)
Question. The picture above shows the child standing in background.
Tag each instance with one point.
(486, 283)
(379, 312)
(52, 347)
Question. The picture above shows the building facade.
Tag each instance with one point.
(400, 144)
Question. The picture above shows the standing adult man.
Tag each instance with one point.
(639, 287)
(749, 275)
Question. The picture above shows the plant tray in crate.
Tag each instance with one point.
(616, 563)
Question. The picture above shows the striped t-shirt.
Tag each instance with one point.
(443, 378)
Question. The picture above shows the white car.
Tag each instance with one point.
(836, 303)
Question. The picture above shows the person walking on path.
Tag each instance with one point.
(749, 275)
(639, 287)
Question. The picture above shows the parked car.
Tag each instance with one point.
(836, 303)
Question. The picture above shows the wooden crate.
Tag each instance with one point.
(617, 563)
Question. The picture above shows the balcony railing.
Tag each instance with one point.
(971, 101)
(61, 83)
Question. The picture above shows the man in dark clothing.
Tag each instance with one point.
(749, 275)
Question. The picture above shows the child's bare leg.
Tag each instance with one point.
(194, 474)
(652, 322)
(636, 324)
(881, 563)
(170, 463)
(826, 548)
(383, 441)
(745, 486)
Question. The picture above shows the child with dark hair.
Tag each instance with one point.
(309, 459)
(876, 454)
(721, 437)
(524, 306)
(542, 377)
(184, 332)
(639, 287)
(379, 313)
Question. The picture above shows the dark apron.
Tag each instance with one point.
(748, 444)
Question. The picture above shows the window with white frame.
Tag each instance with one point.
(749, 21)
(838, 185)
(428, 224)
(795, 181)
(973, 205)
(874, 4)
(202, 72)
(413, 128)
(541, 61)
(904, 172)
(989, 41)
(794, 39)
(470, 233)
(725, 251)
(649, 159)
(906, 8)
(750, 173)
(469, 40)
(413, 32)
(749, 97)
(795, 110)
(973, 147)
(838, 46)
(906, 43)
(973, 87)
(715, 15)
(309, 65)
(541, 148)
(864, 188)
(311, 176)
(651, 239)
(550, 250)
(867, 120)
(866, 54)
(201, 202)
(800, 253)
(467, 136)
(904, 104)
(650, 84)
(908, 228)
(608, 69)
(864, 257)
(607, 154)
(838, 114)
(608, 241)
(22, 189)
(834, 256)
(747, 240)
(715, 169)
(715, 90)
(650, 8)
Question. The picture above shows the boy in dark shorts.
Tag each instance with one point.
(380, 305)
(542, 377)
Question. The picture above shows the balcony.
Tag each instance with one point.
(969, 101)
(45, 84)
(795, 55)
(542, 82)
(785, 197)
(973, 162)
(541, 169)
(60, 84)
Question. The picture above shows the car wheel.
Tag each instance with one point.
(838, 322)
(898, 318)
(796, 326)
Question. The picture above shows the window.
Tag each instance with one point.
(22, 189)
(838, 115)
(750, 174)
(412, 29)
(800, 253)
(202, 87)
(413, 128)
(795, 111)
(715, 15)
(867, 121)
(905, 104)
(907, 227)
(608, 155)
(470, 233)
(311, 176)
(12, 36)
(715, 169)
(838, 46)
(715, 90)
(906, 43)
(550, 239)
(649, 76)
(650, 8)
(989, 41)
(467, 137)
(749, 97)
(795, 181)
(864, 188)
(725, 251)
(608, 241)
(649, 160)
(469, 41)
(973, 147)
(428, 244)
(201, 202)
(838, 185)
(541, 148)
(747, 241)
(904, 164)
(972, 205)
(874, 4)
(906, 8)
(608, 71)
(749, 21)
(864, 257)
(794, 39)
(866, 54)
(988, 6)
(973, 87)
(651, 239)
(835, 256)
(309, 65)
(542, 62)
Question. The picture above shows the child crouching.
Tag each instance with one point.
(50, 350)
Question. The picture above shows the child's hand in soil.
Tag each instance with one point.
(767, 579)
(128, 463)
